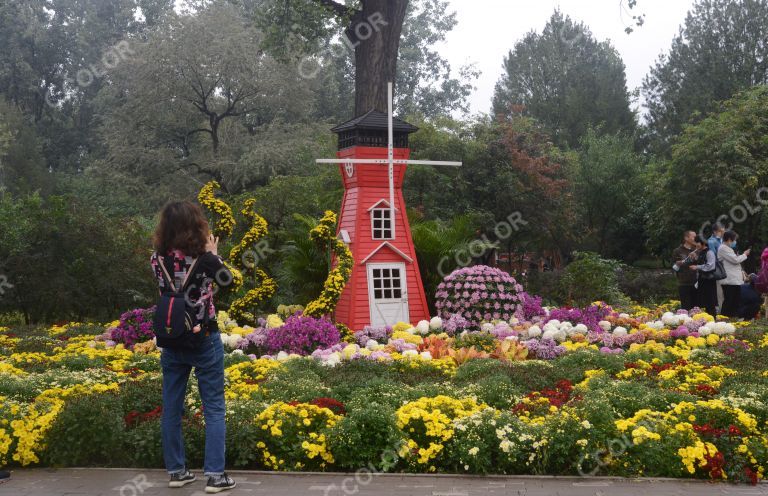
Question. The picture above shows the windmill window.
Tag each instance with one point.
(381, 223)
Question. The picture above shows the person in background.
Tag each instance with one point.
(733, 274)
(750, 301)
(684, 257)
(714, 243)
(706, 289)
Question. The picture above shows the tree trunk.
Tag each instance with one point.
(374, 32)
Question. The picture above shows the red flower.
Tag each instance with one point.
(333, 405)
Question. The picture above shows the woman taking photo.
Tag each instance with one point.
(707, 286)
(183, 241)
(734, 277)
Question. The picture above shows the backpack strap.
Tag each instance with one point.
(191, 270)
(166, 276)
(169, 280)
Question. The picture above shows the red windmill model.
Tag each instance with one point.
(385, 286)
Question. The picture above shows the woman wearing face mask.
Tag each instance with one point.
(734, 279)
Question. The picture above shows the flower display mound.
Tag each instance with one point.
(302, 334)
(134, 326)
(479, 293)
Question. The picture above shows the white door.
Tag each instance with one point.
(387, 293)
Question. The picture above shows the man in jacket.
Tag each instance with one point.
(684, 257)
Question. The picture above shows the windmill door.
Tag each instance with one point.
(387, 293)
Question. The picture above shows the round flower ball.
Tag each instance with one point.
(479, 294)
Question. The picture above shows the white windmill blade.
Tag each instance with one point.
(386, 161)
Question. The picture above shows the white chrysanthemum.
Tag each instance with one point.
(534, 331)
(487, 327)
(410, 353)
(580, 329)
(436, 323)
(604, 325)
(426, 355)
(371, 344)
(332, 360)
(423, 327)
(549, 334)
(620, 331)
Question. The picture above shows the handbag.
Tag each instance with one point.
(717, 274)
(176, 315)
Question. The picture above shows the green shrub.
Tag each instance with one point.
(141, 395)
(533, 375)
(474, 370)
(496, 391)
(346, 378)
(591, 278)
(366, 437)
(572, 366)
(88, 431)
(243, 433)
(143, 445)
(384, 390)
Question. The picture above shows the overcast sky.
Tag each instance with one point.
(488, 29)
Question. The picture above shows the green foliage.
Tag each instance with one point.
(572, 366)
(88, 431)
(566, 79)
(723, 158)
(719, 51)
(143, 445)
(609, 191)
(296, 383)
(52, 250)
(590, 278)
(366, 437)
(439, 247)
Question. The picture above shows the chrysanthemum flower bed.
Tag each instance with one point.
(590, 391)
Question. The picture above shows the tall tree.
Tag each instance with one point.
(718, 170)
(53, 62)
(567, 80)
(609, 190)
(721, 49)
(195, 96)
(374, 29)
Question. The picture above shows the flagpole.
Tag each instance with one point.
(391, 159)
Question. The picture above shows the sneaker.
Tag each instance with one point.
(219, 483)
(182, 479)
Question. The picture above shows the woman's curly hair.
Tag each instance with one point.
(182, 227)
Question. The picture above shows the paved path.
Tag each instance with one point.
(131, 482)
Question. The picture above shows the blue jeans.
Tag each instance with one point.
(208, 362)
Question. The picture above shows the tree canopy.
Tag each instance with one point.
(567, 80)
(722, 48)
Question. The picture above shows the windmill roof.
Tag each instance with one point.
(375, 120)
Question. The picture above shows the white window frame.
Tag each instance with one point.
(386, 215)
